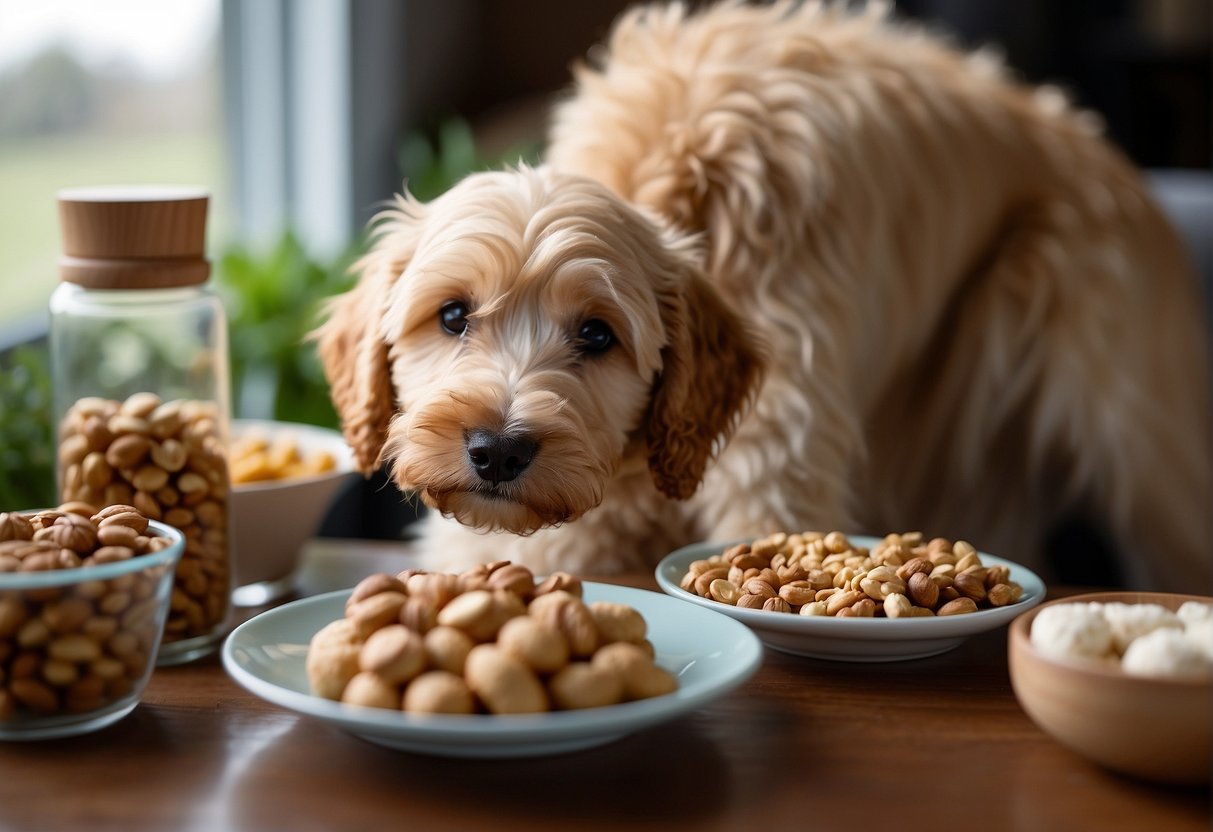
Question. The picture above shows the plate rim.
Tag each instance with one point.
(856, 629)
(486, 730)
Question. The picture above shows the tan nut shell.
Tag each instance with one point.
(641, 678)
(395, 653)
(332, 658)
(503, 683)
(447, 648)
(376, 611)
(540, 645)
(370, 690)
(618, 622)
(438, 692)
(584, 685)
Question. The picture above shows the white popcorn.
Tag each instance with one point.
(1167, 652)
(1200, 633)
(1067, 631)
(1131, 621)
(1191, 612)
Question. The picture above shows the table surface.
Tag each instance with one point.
(936, 743)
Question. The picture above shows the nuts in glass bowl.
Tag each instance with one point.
(826, 574)
(489, 640)
(84, 595)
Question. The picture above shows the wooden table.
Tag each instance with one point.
(936, 744)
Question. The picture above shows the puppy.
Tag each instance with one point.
(785, 267)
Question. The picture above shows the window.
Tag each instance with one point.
(121, 92)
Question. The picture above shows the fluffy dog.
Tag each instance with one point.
(785, 267)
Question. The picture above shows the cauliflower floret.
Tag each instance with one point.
(1131, 621)
(1068, 631)
(1167, 652)
(1191, 612)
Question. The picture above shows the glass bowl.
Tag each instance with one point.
(77, 646)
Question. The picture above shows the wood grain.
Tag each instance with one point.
(937, 744)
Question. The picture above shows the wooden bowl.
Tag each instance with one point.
(1152, 728)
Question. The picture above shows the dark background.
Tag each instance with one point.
(1143, 64)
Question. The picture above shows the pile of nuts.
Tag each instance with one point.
(816, 573)
(254, 458)
(169, 461)
(76, 647)
(488, 640)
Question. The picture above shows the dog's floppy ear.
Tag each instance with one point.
(711, 368)
(351, 344)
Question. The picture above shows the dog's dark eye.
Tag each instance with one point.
(595, 336)
(454, 317)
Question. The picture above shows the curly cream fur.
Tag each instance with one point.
(950, 304)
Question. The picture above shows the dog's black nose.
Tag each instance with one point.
(499, 458)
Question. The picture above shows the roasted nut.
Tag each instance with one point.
(503, 683)
(332, 658)
(863, 608)
(971, 586)
(373, 585)
(370, 690)
(447, 649)
(897, 605)
(922, 590)
(842, 600)
(585, 685)
(473, 612)
(541, 646)
(419, 614)
(724, 591)
(571, 617)
(437, 587)
(561, 581)
(439, 692)
(617, 622)
(704, 580)
(15, 527)
(757, 586)
(958, 606)
(515, 578)
(642, 679)
(376, 611)
(127, 451)
(814, 608)
(131, 519)
(750, 602)
(797, 593)
(395, 653)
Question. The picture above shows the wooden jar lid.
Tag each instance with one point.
(133, 237)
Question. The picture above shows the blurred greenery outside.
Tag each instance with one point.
(273, 300)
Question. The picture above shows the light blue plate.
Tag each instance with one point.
(709, 653)
(855, 639)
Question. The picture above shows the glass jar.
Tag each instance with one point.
(139, 363)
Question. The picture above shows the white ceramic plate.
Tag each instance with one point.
(855, 639)
(708, 652)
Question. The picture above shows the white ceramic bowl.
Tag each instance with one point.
(1154, 728)
(855, 639)
(272, 520)
(709, 654)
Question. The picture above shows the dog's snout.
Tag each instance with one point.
(498, 458)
